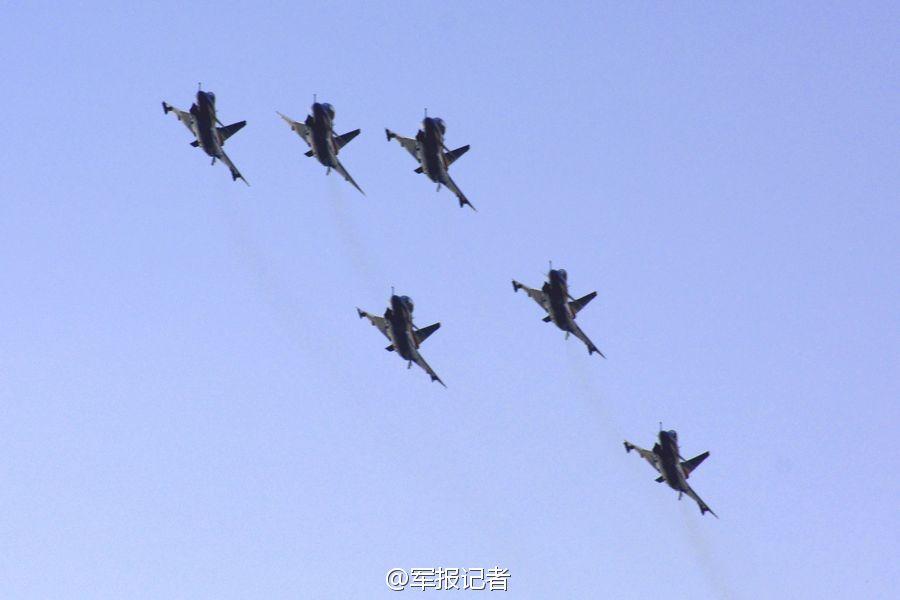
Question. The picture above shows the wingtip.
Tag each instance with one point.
(628, 446)
(360, 313)
(166, 108)
(389, 134)
(516, 285)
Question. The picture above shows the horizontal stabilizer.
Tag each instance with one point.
(342, 140)
(422, 334)
(229, 130)
(390, 348)
(450, 157)
(689, 465)
(659, 479)
(418, 170)
(577, 305)
(547, 319)
(309, 153)
(195, 143)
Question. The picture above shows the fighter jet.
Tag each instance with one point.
(397, 326)
(318, 133)
(561, 307)
(433, 156)
(673, 469)
(201, 119)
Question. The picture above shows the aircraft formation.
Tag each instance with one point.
(396, 324)
(317, 130)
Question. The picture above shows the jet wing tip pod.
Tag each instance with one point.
(463, 202)
(593, 349)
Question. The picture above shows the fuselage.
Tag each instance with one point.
(557, 292)
(399, 318)
(430, 140)
(321, 134)
(204, 112)
(670, 461)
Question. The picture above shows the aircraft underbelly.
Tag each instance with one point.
(671, 475)
(322, 149)
(431, 166)
(208, 144)
(403, 348)
(560, 316)
(401, 342)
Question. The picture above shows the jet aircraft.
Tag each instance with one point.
(674, 470)
(554, 298)
(397, 326)
(201, 120)
(433, 156)
(318, 133)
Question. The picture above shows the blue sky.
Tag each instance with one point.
(191, 408)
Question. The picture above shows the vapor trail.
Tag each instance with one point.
(583, 385)
(350, 239)
(284, 303)
(703, 552)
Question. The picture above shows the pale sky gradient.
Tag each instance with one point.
(191, 408)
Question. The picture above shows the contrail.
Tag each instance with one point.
(703, 553)
(283, 302)
(583, 385)
(349, 237)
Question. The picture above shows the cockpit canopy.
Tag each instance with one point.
(558, 274)
(329, 109)
(673, 434)
(440, 125)
(407, 302)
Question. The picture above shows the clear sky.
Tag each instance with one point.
(190, 408)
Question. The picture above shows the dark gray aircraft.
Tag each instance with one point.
(201, 119)
(433, 156)
(397, 326)
(554, 298)
(673, 469)
(318, 133)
